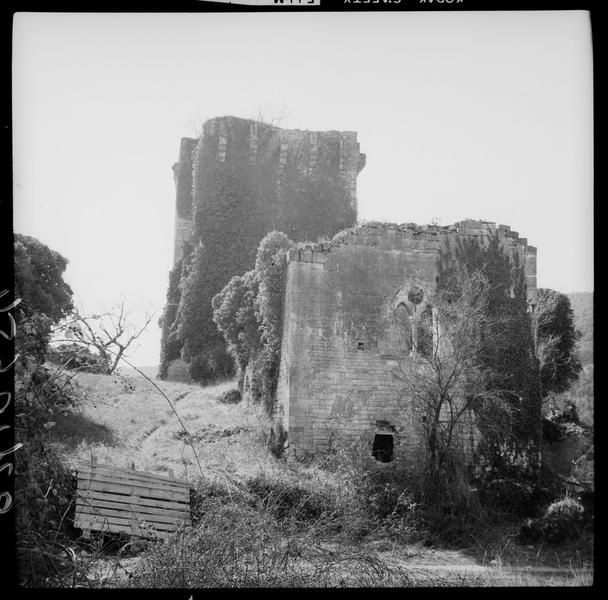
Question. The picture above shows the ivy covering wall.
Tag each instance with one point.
(509, 351)
(170, 345)
(249, 314)
(235, 201)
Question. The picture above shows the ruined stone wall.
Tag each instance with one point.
(339, 350)
(278, 160)
(240, 180)
(182, 174)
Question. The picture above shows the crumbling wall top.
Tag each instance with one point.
(409, 236)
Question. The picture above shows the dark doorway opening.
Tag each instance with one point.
(383, 447)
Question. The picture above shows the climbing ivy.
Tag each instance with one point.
(236, 202)
(509, 353)
(249, 313)
(170, 344)
(557, 338)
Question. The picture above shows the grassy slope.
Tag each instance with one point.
(123, 420)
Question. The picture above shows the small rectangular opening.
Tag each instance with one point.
(360, 346)
(382, 450)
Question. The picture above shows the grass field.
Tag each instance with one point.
(300, 524)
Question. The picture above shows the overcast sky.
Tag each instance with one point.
(461, 115)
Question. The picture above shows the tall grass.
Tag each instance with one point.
(256, 539)
(263, 522)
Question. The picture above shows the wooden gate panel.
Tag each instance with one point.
(122, 500)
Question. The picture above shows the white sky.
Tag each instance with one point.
(483, 115)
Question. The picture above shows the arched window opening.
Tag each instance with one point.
(415, 295)
(404, 318)
(424, 332)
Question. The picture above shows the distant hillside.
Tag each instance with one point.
(581, 393)
(582, 305)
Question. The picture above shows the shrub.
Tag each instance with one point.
(230, 397)
(562, 520)
(43, 486)
(287, 499)
(509, 495)
(39, 279)
(241, 543)
(170, 345)
(210, 365)
(249, 312)
(78, 358)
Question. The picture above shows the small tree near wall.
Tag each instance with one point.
(445, 380)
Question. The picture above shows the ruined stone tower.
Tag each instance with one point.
(238, 181)
(285, 157)
(339, 350)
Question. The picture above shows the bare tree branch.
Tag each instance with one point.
(111, 333)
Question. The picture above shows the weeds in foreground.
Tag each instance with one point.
(239, 544)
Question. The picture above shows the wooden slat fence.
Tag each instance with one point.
(122, 500)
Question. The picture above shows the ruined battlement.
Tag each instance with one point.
(340, 342)
(427, 239)
(282, 158)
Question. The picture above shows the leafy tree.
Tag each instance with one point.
(508, 355)
(446, 377)
(249, 313)
(234, 314)
(39, 279)
(43, 487)
(556, 342)
(203, 347)
(170, 344)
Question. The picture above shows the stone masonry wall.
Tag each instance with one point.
(277, 153)
(338, 354)
(182, 174)
(240, 180)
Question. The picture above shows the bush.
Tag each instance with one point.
(287, 499)
(562, 520)
(509, 495)
(238, 542)
(44, 489)
(248, 312)
(78, 358)
(39, 279)
(210, 365)
(231, 397)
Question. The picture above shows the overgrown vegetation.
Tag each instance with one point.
(445, 377)
(235, 203)
(249, 313)
(170, 344)
(581, 392)
(562, 520)
(43, 487)
(39, 279)
(556, 342)
(507, 353)
(77, 357)
(248, 543)
(110, 333)
(259, 521)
